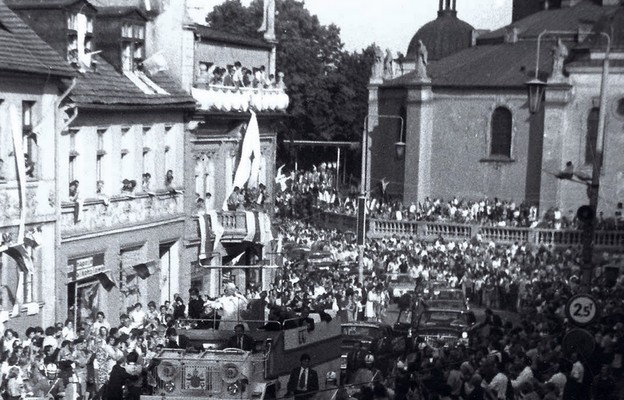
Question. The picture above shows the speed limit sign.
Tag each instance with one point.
(582, 309)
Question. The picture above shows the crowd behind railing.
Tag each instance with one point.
(303, 192)
(516, 360)
(530, 282)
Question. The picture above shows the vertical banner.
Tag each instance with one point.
(20, 165)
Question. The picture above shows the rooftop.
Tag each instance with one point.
(23, 51)
(230, 38)
(515, 62)
(105, 87)
(17, 4)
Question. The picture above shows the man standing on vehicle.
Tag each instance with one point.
(303, 381)
(355, 360)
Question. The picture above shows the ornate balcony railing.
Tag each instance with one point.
(235, 226)
(231, 99)
(100, 214)
(376, 228)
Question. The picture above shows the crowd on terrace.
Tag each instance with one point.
(304, 191)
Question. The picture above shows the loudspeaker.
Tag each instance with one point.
(585, 213)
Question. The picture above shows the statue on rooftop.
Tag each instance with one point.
(377, 72)
(388, 70)
(559, 53)
(268, 20)
(421, 62)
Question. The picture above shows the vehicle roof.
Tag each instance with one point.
(444, 310)
(365, 323)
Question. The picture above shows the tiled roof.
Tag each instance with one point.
(41, 3)
(495, 64)
(119, 11)
(22, 50)
(514, 65)
(106, 87)
(230, 38)
(568, 18)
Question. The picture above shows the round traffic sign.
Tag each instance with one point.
(582, 309)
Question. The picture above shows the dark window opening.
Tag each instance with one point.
(501, 132)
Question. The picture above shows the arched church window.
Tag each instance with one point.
(501, 132)
(591, 135)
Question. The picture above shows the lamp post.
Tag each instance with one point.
(536, 91)
(364, 186)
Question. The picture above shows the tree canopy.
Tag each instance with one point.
(325, 83)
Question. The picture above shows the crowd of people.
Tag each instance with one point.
(304, 191)
(238, 76)
(526, 359)
(522, 359)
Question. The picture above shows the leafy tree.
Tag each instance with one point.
(326, 85)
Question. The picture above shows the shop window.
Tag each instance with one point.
(501, 132)
(591, 135)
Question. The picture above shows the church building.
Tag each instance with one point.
(466, 122)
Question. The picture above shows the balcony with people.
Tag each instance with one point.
(130, 204)
(235, 88)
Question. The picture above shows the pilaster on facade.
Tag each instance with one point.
(556, 125)
(372, 122)
(419, 135)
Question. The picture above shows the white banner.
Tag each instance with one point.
(20, 164)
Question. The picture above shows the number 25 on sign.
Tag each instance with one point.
(582, 309)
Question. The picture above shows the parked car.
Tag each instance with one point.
(451, 299)
(443, 327)
(430, 287)
(322, 259)
(377, 338)
(399, 285)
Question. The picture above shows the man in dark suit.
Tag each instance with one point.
(355, 360)
(303, 381)
(240, 340)
(175, 341)
(195, 305)
(118, 378)
(306, 320)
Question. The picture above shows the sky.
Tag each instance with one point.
(390, 23)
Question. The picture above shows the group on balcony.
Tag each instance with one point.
(237, 76)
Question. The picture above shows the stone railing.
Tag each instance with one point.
(234, 224)
(376, 228)
(230, 99)
(101, 214)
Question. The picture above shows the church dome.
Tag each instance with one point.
(443, 36)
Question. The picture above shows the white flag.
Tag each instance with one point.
(236, 259)
(249, 166)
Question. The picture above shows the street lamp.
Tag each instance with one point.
(364, 186)
(536, 88)
(536, 91)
